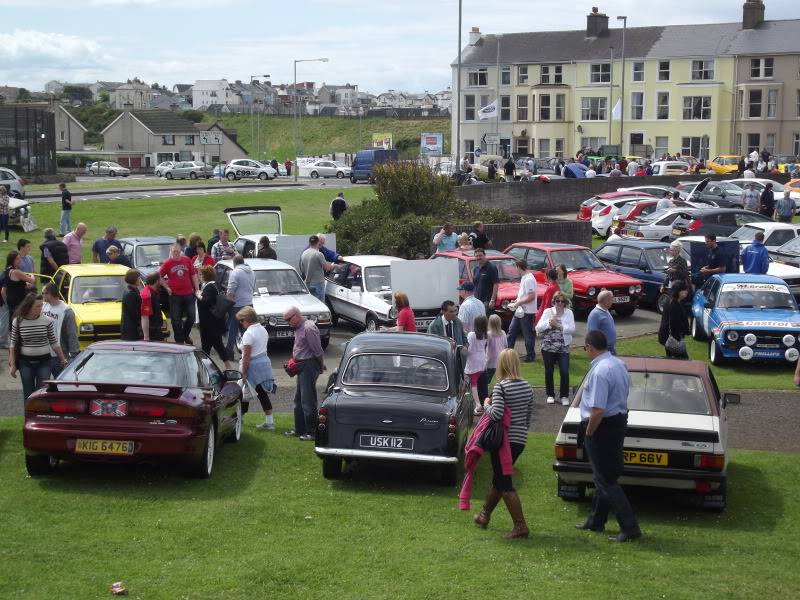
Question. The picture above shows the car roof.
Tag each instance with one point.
(371, 260)
(770, 225)
(261, 264)
(548, 246)
(143, 346)
(94, 269)
(748, 278)
(471, 254)
(665, 365)
(618, 194)
(727, 156)
(638, 243)
(402, 343)
(152, 239)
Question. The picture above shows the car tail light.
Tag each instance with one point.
(715, 462)
(145, 409)
(452, 425)
(322, 418)
(605, 211)
(68, 406)
(702, 486)
(568, 452)
(694, 225)
(180, 411)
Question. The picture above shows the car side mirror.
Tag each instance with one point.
(707, 304)
(356, 289)
(332, 380)
(731, 398)
(231, 375)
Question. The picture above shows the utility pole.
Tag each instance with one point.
(458, 92)
(611, 96)
(622, 94)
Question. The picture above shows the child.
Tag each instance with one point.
(476, 360)
(496, 344)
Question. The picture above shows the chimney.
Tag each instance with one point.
(474, 36)
(752, 14)
(596, 24)
(127, 107)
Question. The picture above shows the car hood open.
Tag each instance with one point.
(276, 305)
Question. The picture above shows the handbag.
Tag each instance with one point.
(222, 306)
(492, 437)
(675, 346)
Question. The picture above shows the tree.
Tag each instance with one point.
(195, 116)
(23, 95)
(105, 96)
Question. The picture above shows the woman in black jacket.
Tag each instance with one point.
(674, 323)
(211, 327)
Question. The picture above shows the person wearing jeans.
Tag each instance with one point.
(555, 329)
(241, 287)
(524, 308)
(182, 285)
(308, 354)
(66, 209)
(4, 201)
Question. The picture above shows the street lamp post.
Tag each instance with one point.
(611, 97)
(458, 92)
(624, 20)
(253, 133)
(296, 109)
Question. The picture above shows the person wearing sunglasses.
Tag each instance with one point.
(555, 330)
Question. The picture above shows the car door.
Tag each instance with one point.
(327, 169)
(337, 290)
(609, 255)
(630, 260)
(779, 237)
(716, 398)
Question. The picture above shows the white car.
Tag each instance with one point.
(251, 223)
(163, 166)
(677, 435)
(775, 234)
(327, 168)
(245, 168)
(604, 211)
(278, 288)
(777, 188)
(670, 167)
(110, 168)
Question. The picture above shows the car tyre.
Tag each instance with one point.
(697, 333)
(352, 179)
(168, 175)
(91, 172)
(573, 492)
(39, 465)
(661, 303)
(112, 173)
(714, 354)
(331, 467)
(263, 176)
(448, 475)
(314, 175)
(192, 175)
(236, 435)
(339, 175)
(231, 176)
(202, 468)
(371, 323)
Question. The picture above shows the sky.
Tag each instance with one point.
(396, 44)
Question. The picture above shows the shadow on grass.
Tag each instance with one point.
(235, 466)
(397, 478)
(5, 435)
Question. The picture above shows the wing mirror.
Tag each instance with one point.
(707, 304)
(356, 289)
(332, 380)
(231, 375)
(731, 398)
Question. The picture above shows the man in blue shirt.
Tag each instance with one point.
(604, 422)
(755, 257)
(600, 319)
(26, 263)
(101, 245)
(446, 239)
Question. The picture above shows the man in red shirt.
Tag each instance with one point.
(547, 299)
(150, 311)
(182, 284)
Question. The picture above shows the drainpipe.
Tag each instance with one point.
(734, 103)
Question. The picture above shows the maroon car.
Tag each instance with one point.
(134, 401)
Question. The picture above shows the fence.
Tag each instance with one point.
(27, 140)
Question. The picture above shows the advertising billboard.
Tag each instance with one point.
(431, 144)
(382, 140)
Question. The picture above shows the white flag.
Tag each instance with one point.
(488, 112)
(616, 114)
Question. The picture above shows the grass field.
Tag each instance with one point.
(267, 525)
(124, 183)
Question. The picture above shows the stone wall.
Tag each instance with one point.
(539, 230)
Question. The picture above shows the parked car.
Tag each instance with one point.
(670, 167)
(245, 168)
(279, 287)
(188, 169)
(396, 397)
(162, 166)
(365, 160)
(15, 185)
(642, 259)
(588, 275)
(170, 402)
(724, 164)
(719, 221)
(328, 168)
(602, 208)
(655, 226)
(777, 188)
(677, 435)
(747, 317)
(146, 253)
(717, 193)
(506, 269)
(110, 168)
(657, 191)
(788, 253)
(775, 234)
(251, 223)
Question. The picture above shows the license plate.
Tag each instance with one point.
(284, 334)
(108, 408)
(621, 299)
(119, 447)
(677, 232)
(386, 442)
(768, 345)
(423, 323)
(653, 459)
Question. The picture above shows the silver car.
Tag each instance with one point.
(188, 170)
(244, 168)
(328, 168)
(161, 167)
(655, 226)
(110, 168)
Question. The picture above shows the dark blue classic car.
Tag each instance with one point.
(642, 259)
(396, 397)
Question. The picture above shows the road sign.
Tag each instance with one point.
(477, 153)
(492, 139)
(211, 138)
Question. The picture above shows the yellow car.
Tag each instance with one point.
(94, 292)
(724, 164)
(793, 185)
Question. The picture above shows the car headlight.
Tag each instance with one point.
(273, 321)
(326, 316)
(732, 336)
(505, 304)
(632, 289)
(87, 328)
(392, 313)
(312, 318)
(592, 291)
(638, 289)
(262, 319)
(750, 339)
(788, 340)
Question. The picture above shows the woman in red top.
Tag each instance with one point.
(201, 259)
(405, 316)
(547, 299)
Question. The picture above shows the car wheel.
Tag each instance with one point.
(263, 176)
(715, 500)
(339, 175)
(331, 467)
(352, 179)
(325, 341)
(125, 174)
(314, 174)
(624, 311)
(236, 434)
(192, 175)
(112, 173)
(571, 491)
(205, 464)
(697, 332)
(371, 323)
(168, 175)
(714, 353)
(40, 464)
(230, 176)
(91, 172)
(661, 303)
(448, 475)
(334, 316)
(157, 173)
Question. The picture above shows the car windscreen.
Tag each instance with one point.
(659, 257)
(746, 233)
(164, 368)
(755, 295)
(792, 246)
(256, 223)
(396, 370)
(151, 255)
(97, 288)
(506, 269)
(378, 279)
(576, 260)
(668, 392)
(279, 282)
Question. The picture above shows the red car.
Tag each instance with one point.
(506, 269)
(134, 401)
(587, 273)
(639, 208)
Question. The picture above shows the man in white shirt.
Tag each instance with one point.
(524, 308)
(590, 172)
(633, 166)
(751, 199)
(749, 173)
(470, 307)
(665, 202)
(64, 324)
(753, 157)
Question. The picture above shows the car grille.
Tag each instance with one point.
(426, 313)
(103, 330)
(772, 340)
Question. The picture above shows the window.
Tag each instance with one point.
(662, 105)
(522, 75)
(593, 109)
(505, 108)
(505, 147)
(630, 257)
(469, 149)
(754, 102)
(753, 142)
(592, 143)
(798, 104)
(505, 76)
(544, 148)
(168, 140)
(600, 73)
(740, 103)
(637, 106)
(663, 70)
(188, 140)
(608, 253)
(537, 260)
(561, 100)
(544, 107)
(469, 107)
(772, 103)
(770, 145)
(484, 100)
(551, 74)
(761, 68)
(693, 146)
(478, 77)
(661, 147)
(61, 135)
(638, 71)
(522, 108)
(560, 148)
(796, 144)
(522, 146)
(702, 70)
(696, 108)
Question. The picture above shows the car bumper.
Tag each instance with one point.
(759, 354)
(589, 302)
(287, 333)
(381, 455)
(679, 479)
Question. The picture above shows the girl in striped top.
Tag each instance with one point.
(33, 335)
(513, 392)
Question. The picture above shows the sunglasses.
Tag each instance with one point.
(559, 301)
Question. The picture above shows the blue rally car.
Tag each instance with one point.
(750, 317)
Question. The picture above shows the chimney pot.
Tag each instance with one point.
(474, 36)
(752, 14)
(596, 24)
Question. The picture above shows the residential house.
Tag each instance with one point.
(391, 99)
(343, 96)
(69, 131)
(135, 95)
(424, 101)
(99, 87)
(443, 99)
(256, 96)
(206, 92)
